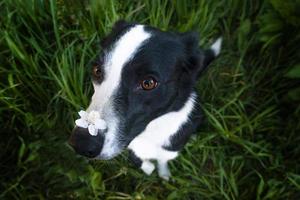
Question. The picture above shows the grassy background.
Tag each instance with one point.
(247, 148)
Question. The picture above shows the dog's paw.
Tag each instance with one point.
(147, 167)
(164, 172)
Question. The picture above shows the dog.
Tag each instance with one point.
(144, 89)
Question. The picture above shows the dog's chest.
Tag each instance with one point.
(151, 142)
(149, 145)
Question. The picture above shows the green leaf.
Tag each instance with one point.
(294, 94)
(288, 9)
(22, 150)
(173, 195)
(294, 72)
(243, 31)
(96, 180)
(245, 27)
(260, 187)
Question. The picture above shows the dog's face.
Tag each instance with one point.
(141, 74)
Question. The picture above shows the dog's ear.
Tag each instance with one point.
(197, 59)
(118, 27)
(193, 57)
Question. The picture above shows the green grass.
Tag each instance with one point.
(248, 145)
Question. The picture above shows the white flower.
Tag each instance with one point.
(82, 122)
(91, 121)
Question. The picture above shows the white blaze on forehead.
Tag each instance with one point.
(123, 51)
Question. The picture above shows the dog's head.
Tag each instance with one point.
(142, 73)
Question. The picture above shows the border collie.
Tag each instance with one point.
(144, 96)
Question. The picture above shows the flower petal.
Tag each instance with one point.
(100, 124)
(81, 123)
(93, 116)
(83, 114)
(92, 130)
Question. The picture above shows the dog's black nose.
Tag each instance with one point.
(86, 144)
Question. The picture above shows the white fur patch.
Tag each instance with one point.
(216, 46)
(122, 52)
(149, 144)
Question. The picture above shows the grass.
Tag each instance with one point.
(247, 147)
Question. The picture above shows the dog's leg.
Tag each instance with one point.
(136, 161)
(147, 167)
(163, 169)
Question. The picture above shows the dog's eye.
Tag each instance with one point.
(148, 83)
(97, 71)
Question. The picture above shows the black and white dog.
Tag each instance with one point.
(144, 91)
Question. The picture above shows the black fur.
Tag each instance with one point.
(136, 161)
